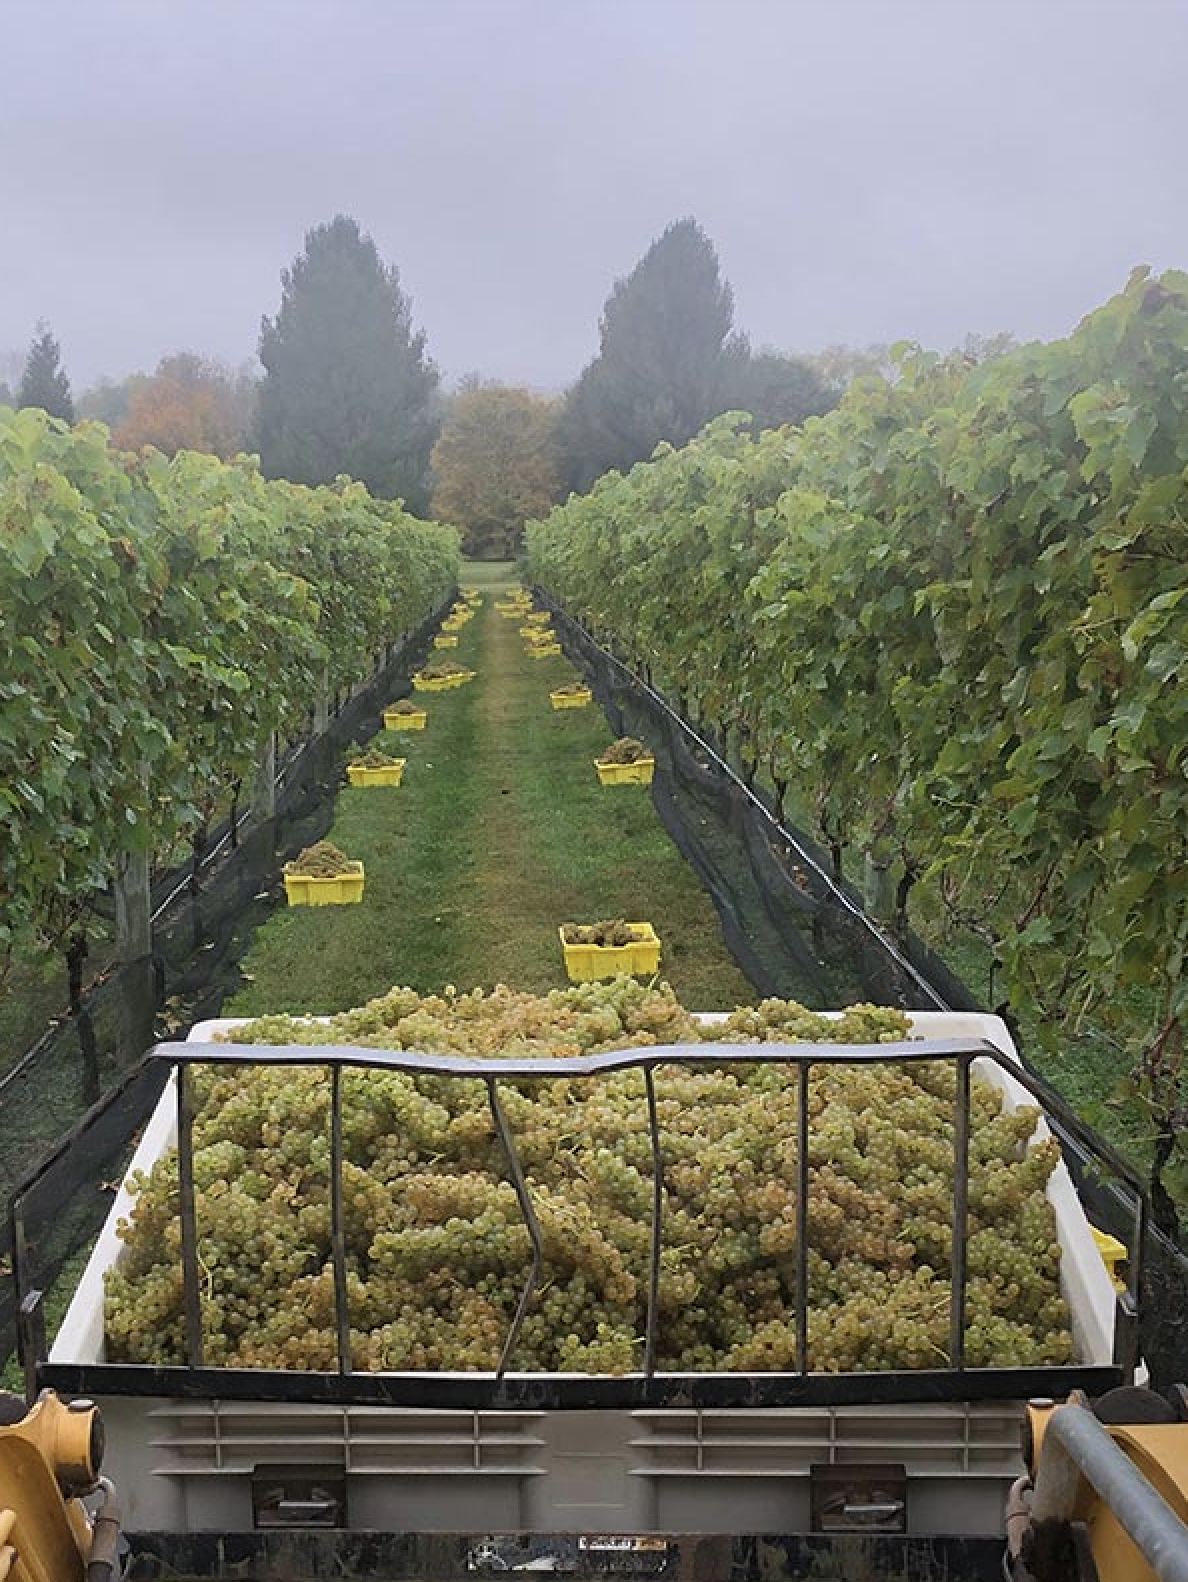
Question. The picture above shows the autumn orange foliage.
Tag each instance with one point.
(190, 403)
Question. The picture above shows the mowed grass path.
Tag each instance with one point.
(500, 833)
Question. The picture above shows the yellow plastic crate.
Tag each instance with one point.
(446, 640)
(570, 700)
(543, 650)
(304, 889)
(454, 623)
(398, 720)
(585, 963)
(380, 775)
(1113, 1252)
(639, 773)
(441, 683)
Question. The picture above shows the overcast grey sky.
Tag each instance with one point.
(869, 170)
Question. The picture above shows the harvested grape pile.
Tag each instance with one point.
(438, 1254)
(624, 751)
(611, 932)
(440, 669)
(371, 758)
(323, 860)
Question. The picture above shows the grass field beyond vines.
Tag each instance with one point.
(499, 833)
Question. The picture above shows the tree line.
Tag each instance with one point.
(348, 388)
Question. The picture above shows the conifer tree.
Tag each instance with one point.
(44, 383)
(347, 386)
(664, 331)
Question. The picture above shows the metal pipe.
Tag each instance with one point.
(802, 1230)
(524, 1198)
(188, 1215)
(105, 1536)
(708, 1055)
(957, 1265)
(1077, 1446)
(657, 1225)
(342, 1318)
(1018, 1516)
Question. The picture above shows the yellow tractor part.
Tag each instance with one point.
(47, 1458)
(1159, 1450)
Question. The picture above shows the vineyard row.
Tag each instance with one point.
(950, 619)
(162, 622)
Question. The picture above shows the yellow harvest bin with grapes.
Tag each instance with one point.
(446, 640)
(303, 889)
(570, 698)
(405, 719)
(589, 963)
(442, 683)
(377, 775)
(543, 650)
(640, 773)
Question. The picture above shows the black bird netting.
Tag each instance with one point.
(794, 931)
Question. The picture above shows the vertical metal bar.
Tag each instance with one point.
(31, 1342)
(960, 1214)
(342, 1317)
(22, 1265)
(657, 1225)
(192, 1300)
(524, 1199)
(1138, 1248)
(802, 1191)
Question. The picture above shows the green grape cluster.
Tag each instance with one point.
(438, 1253)
(610, 931)
(626, 750)
(440, 669)
(322, 860)
(370, 758)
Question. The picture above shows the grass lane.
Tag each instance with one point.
(500, 833)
